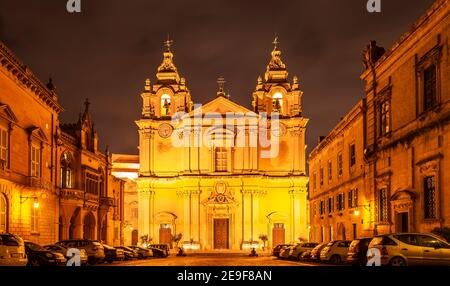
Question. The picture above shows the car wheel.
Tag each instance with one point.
(140, 256)
(335, 259)
(92, 260)
(299, 256)
(397, 261)
(110, 260)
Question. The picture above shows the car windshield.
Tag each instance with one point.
(10, 240)
(34, 246)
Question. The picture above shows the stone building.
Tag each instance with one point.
(28, 181)
(337, 181)
(91, 199)
(54, 182)
(126, 167)
(207, 177)
(404, 135)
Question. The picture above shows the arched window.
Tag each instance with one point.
(66, 176)
(165, 105)
(3, 213)
(277, 102)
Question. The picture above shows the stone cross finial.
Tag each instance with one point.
(168, 43)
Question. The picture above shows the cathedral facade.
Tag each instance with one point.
(219, 174)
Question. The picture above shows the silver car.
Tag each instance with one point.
(401, 249)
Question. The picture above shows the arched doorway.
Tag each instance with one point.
(89, 226)
(341, 231)
(74, 223)
(3, 213)
(134, 237)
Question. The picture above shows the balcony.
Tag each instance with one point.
(72, 194)
(107, 201)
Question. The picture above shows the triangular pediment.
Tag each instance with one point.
(222, 105)
(7, 113)
(37, 133)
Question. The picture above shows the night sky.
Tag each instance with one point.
(109, 49)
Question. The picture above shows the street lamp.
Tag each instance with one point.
(357, 212)
(23, 199)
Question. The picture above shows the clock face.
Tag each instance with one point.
(165, 130)
(279, 130)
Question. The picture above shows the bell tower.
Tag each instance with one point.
(169, 94)
(276, 93)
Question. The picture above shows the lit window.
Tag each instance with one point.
(35, 161)
(429, 88)
(65, 172)
(3, 213)
(277, 102)
(165, 104)
(321, 176)
(430, 197)
(352, 155)
(221, 159)
(330, 171)
(383, 205)
(92, 184)
(384, 118)
(3, 148)
(34, 219)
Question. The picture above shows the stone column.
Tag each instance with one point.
(195, 216)
(144, 213)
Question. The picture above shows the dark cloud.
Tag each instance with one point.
(106, 52)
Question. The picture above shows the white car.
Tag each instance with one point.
(401, 249)
(12, 250)
(335, 252)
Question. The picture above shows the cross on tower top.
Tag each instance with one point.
(168, 43)
(221, 82)
(275, 42)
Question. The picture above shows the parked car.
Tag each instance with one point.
(143, 253)
(277, 249)
(63, 250)
(12, 250)
(113, 254)
(39, 256)
(335, 252)
(129, 253)
(158, 253)
(401, 249)
(93, 248)
(306, 255)
(315, 253)
(163, 247)
(297, 250)
(284, 253)
(357, 251)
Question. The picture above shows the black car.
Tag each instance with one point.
(39, 256)
(129, 253)
(163, 247)
(277, 249)
(113, 254)
(158, 253)
(357, 252)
